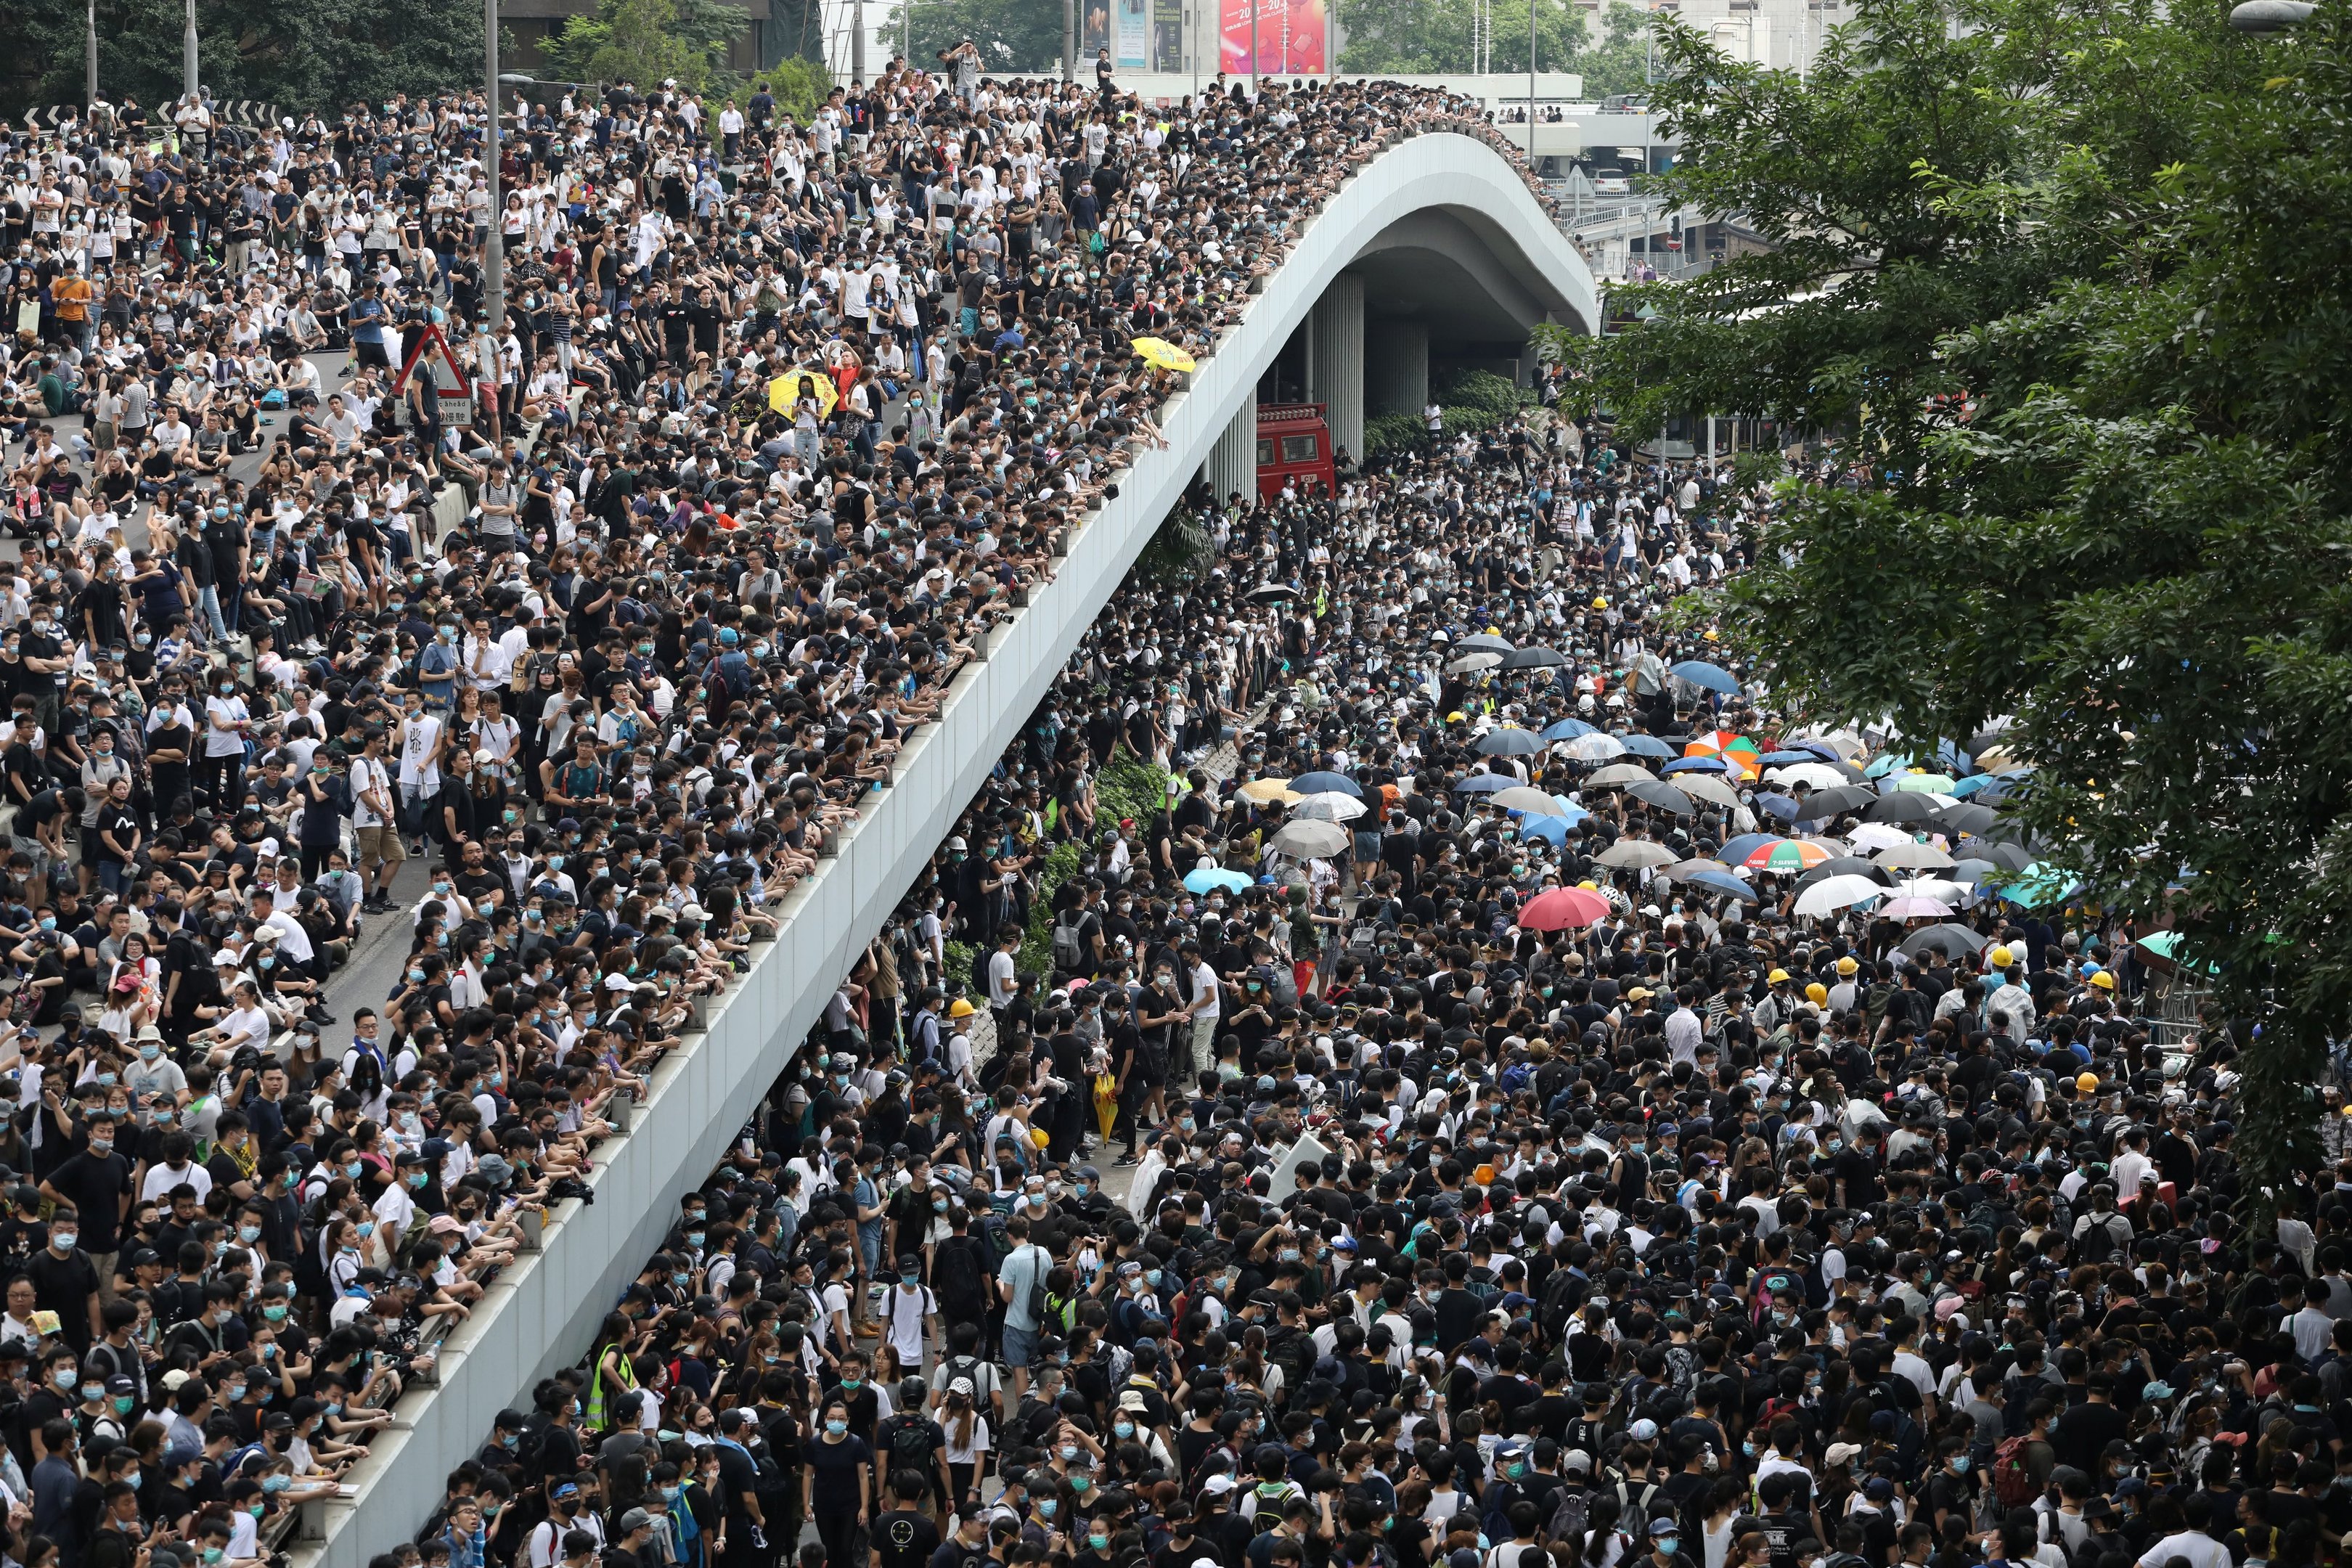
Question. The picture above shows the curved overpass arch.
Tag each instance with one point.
(543, 1312)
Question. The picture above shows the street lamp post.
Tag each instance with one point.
(188, 52)
(1069, 41)
(90, 55)
(493, 238)
(1532, 82)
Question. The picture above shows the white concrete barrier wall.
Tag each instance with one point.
(542, 1314)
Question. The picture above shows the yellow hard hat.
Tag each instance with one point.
(1599, 603)
(2088, 1083)
(2000, 958)
(1778, 977)
(2104, 981)
(1816, 994)
(1847, 965)
(1040, 1137)
(959, 1008)
(1455, 717)
(1593, 886)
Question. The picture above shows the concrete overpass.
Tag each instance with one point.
(1437, 236)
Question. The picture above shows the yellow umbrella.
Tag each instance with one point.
(786, 390)
(1159, 351)
(1106, 1103)
(1264, 790)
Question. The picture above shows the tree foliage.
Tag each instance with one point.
(649, 41)
(2119, 229)
(297, 54)
(1435, 35)
(1619, 61)
(1012, 35)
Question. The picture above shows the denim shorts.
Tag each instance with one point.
(1020, 1347)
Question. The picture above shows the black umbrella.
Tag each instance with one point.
(1957, 941)
(1968, 817)
(1267, 593)
(1823, 804)
(1842, 866)
(2007, 856)
(1904, 806)
(1533, 659)
(1662, 794)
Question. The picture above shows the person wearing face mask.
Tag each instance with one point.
(836, 1485)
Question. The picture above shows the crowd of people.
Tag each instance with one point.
(1556, 1168)
(608, 650)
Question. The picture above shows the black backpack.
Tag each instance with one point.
(907, 1438)
(956, 1276)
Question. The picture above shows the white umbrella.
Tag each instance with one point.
(1632, 854)
(1617, 773)
(1813, 775)
(1931, 887)
(1706, 788)
(1312, 840)
(1593, 748)
(1909, 856)
(1831, 894)
(1331, 806)
(1872, 835)
(1471, 663)
(1524, 798)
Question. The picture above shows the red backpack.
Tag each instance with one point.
(2012, 1480)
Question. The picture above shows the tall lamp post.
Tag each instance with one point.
(188, 51)
(494, 238)
(1069, 41)
(90, 55)
(1531, 83)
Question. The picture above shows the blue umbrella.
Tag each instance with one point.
(1723, 882)
(1713, 677)
(1698, 766)
(1785, 759)
(1780, 805)
(1646, 746)
(1215, 879)
(1568, 730)
(1886, 762)
(1552, 830)
(1747, 844)
(1486, 784)
(1316, 784)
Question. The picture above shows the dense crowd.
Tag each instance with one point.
(608, 649)
(1740, 1160)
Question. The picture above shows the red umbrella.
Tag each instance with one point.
(1561, 908)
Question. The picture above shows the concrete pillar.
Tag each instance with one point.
(1396, 366)
(1334, 360)
(1232, 466)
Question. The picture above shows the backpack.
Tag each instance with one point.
(2012, 1482)
(955, 1274)
(1068, 954)
(1567, 1515)
(908, 1441)
(2094, 1238)
(994, 1238)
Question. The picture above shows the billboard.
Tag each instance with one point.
(1168, 35)
(1133, 49)
(1290, 38)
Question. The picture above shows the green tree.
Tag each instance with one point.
(2127, 254)
(1436, 36)
(800, 86)
(1940, 166)
(297, 54)
(647, 41)
(1014, 36)
(1619, 62)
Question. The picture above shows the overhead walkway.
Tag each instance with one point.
(1436, 236)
